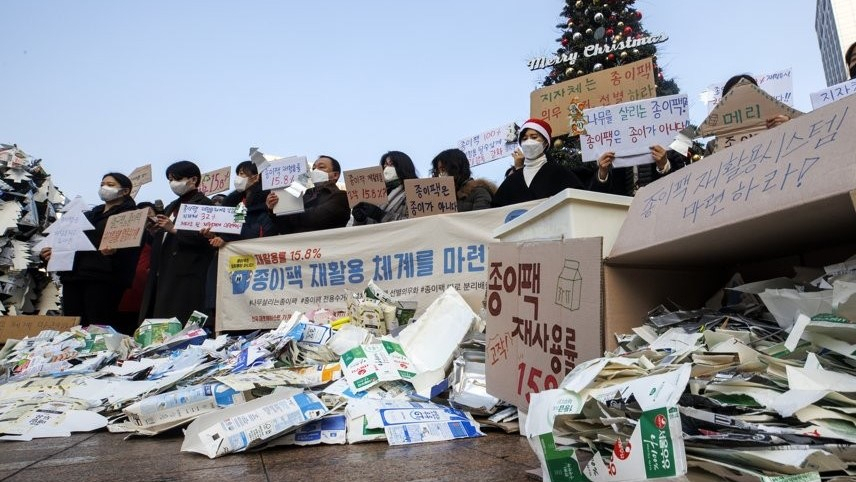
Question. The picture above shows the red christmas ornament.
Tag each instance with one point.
(610, 57)
(565, 41)
(609, 32)
(638, 15)
(628, 30)
(660, 76)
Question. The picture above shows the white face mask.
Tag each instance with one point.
(318, 176)
(107, 193)
(442, 174)
(532, 149)
(179, 187)
(389, 174)
(241, 183)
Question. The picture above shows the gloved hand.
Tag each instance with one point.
(365, 210)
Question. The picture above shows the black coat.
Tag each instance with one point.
(118, 268)
(621, 182)
(324, 207)
(179, 265)
(258, 223)
(548, 181)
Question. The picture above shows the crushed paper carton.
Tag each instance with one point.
(171, 409)
(156, 330)
(243, 426)
(368, 365)
(370, 314)
(406, 423)
(329, 430)
(654, 450)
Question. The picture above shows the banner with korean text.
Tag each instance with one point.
(625, 83)
(262, 281)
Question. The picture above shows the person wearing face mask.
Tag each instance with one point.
(249, 194)
(540, 177)
(98, 279)
(472, 194)
(325, 206)
(397, 167)
(180, 259)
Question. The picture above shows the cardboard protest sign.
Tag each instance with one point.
(426, 197)
(744, 110)
(282, 172)
(124, 230)
(365, 185)
(215, 181)
(831, 94)
(139, 176)
(544, 305)
(630, 129)
(490, 145)
(625, 83)
(219, 219)
(18, 327)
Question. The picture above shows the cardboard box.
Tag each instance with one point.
(18, 327)
(544, 313)
(784, 198)
(571, 213)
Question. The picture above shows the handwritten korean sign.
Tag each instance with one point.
(282, 172)
(745, 109)
(139, 176)
(215, 181)
(365, 185)
(625, 83)
(490, 145)
(220, 219)
(124, 230)
(831, 94)
(779, 85)
(630, 129)
(425, 197)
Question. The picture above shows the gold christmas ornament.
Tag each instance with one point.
(623, 54)
(696, 157)
(617, 37)
(569, 72)
(558, 143)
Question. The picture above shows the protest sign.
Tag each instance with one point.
(282, 172)
(490, 145)
(18, 327)
(630, 129)
(139, 176)
(625, 83)
(365, 185)
(543, 303)
(779, 85)
(426, 197)
(743, 111)
(831, 94)
(215, 181)
(219, 219)
(124, 230)
(260, 281)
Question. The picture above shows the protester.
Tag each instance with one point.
(217, 199)
(850, 60)
(325, 206)
(180, 259)
(93, 288)
(132, 299)
(730, 83)
(397, 167)
(472, 194)
(621, 180)
(540, 177)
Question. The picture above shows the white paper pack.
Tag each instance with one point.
(785, 304)
(288, 203)
(367, 365)
(182, 405)
(237, 428)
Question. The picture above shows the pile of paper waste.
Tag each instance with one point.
(317, 378)
(762, 387)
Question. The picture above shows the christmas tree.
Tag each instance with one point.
(602, 22)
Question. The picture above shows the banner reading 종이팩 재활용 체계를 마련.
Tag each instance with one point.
(262, 281)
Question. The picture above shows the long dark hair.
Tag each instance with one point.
(455, 163)
(403, 165)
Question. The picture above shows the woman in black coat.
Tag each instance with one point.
(94, 287)
(180, 259)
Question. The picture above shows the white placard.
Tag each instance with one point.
(282, 172)
(630, 129)
(831, 94)
(490, 145)
(779, 84)
(220, 219)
